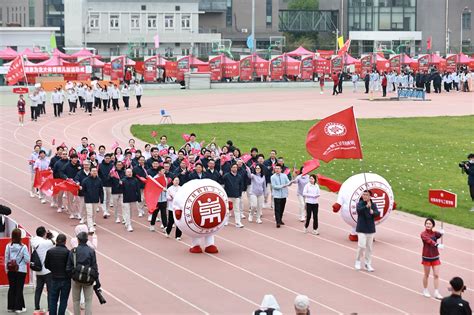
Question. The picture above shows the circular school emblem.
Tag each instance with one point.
(381, 195)
(335, 129)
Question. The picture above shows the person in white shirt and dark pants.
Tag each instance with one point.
(138, 93)
(311, 194)
(126, 95)
(42, 242)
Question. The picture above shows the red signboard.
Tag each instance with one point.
(442, 198)
(117, 68)
(395, 63)
(366, 64)
(246, 68)
(150, 69)
(337, 64)
(451, 63)
(277, 68)
(322, 66)
(20, 90)
(183, 67)
(215, 66)
(424, 63)
(54, 69)
(307, 68)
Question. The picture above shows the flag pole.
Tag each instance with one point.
(24, 72)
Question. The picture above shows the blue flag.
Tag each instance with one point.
(250, 42)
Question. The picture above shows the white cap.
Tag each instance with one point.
(301, 302)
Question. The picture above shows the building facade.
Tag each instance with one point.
(127, 27)
(404, 25)
(20, 38)
(21, 13)
(233, 19)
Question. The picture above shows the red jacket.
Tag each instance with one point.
(429, 238)
(384, 80)
(335, 78)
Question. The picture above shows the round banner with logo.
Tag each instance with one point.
(202, 204)
(351, 192)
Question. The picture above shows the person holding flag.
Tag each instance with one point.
(41, 164)
(162, 201)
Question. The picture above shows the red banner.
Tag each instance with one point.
(183, 66)
(451, 63)
(424, 63)
(152, 191)
(149, 69)
(337, 64)
(55, 69)
(366, 64)
(171, 69)
(117, 67)
(327, 54)
(322, 66)
(215, 66)
(307, 68)
(277, 68)
(395, 63)
(16, 72)
(20, 90)
(40, 177)
(442, 198)
(335, 137)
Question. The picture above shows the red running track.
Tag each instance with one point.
(146, 273)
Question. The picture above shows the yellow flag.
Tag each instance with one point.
(340, 41)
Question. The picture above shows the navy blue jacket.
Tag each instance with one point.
(470, 174)
(233, 185)
(215, 176)
(268, 166)
(151, 160)
(365, 220)
(69, 170)
(93, 190)
(195, 175)
(116, 187)
(85, 256)
(53, 161)
(80, 176)
(131, 189)
(104, 171)
(58, 166)
(152, 172)
(183, 178)
(140, 171)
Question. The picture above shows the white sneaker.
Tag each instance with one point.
(32, 195)
(140, 214)
(242, 216)
(240, 225)
(250, 218)
(23, 310)
(167, 235)
(426, 293)
(59, 210)
(302, 219)
(149, 218)
(316, 232)
(259, 221)
(82, 221)
(162, 226)
(106, 215)
(97, 210)
(53, 205)
(369, 268)
(226, 223)
(305, 230)
(129, 228)
(178, 238)
(357, 265)
(437, 295)
(118, 220)
(71, 216)
(43, 201)
(152, 228)
(92, 229)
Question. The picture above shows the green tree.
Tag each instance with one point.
(303, 5)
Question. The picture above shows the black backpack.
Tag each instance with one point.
(83, 274)
(35, 261)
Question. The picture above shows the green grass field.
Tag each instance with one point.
(413, 154)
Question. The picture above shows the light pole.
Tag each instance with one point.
(254, 40)
(466, 9)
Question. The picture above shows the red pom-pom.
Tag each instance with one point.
(231, 206)
(336, 207)
(353, 238)
(178, 214)
(394, 205)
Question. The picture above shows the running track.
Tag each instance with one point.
(145, 273)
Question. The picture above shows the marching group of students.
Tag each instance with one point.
(89, 97)
(113, 182)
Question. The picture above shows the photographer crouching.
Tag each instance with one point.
(468, 168)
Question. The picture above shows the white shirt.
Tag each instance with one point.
(88, 96)
(42, 95)
(115, 93)
(125, 91)
(80, 91)
(138, 89)
(35, 100)
(311, 193)
(56, 97)
(41, 245)
(72, 96)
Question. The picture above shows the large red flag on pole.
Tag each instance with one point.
(335, 137)
(152, 191)
(344, 48)
(16, 72)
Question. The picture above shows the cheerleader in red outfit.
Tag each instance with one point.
(21, 110)
(430, 256)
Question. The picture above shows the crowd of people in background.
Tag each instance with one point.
(79, 97)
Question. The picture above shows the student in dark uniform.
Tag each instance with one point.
(455, 304)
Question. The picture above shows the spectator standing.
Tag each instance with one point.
(311, 195)
(280, 183)
(455, 304)
(41, 243)
(366, 213)
(233, 186)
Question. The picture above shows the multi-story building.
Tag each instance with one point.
(53, 16)
(404, 25)
(116, 27)
(21, 13)
(233, 19)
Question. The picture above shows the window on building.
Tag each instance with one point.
(186, 21)
(169, 21)
(135, 52)
(114, 21)
(143, 7)
(151, 21)
(94, 20)
(135, 21)
(177, 8)
(184, 51)
(466, 20)
(269, 12)
(228, 14)
(151, 51)
(114, 51)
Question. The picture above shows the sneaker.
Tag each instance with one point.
(149, 218)
(316, 232)
(305, 230)
(369, 268)
(118, 220)
(357, 265)
(82, 221)
(242, 216)
(250, 218)
(178, 238)
(152, 228)
(71, 216)
(302, 219)
(259, 221)
(32, 195)
(239, 225)
(157, 219)
(123, 221)
(23, 310)
(437, 295)
(140, 214)
(43, 201)
(59, 210)
(97, 210)
(162, 226)
(92, 229)
(426, 293)
(53, 205)
(129, 228)
(167, 235)
(78, 217)
(106, 215)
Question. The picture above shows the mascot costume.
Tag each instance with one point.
(200, 209)
(351, 191)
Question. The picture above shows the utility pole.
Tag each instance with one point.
(254, 40)
(447, 30)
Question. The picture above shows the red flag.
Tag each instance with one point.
(67, 185)
(310, 166)
(331, 184)
(16, 72)
(154, 134)
(49, 186)
(115, 145)
(344, 49)
(287, 171)
(163, 152)
(335, 137)
(428, 43)
(185, 137)
(246, 157)
(195, 151)
(40, 177)
(152, 191)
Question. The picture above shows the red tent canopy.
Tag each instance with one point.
(436, 59)
(193, 61)
(408, 60)
(84, 53)
(53, 61)
(58, 53)
(34, 55)
(462, 58)
(349, 60)
(8, 53)
(379, 58)
(160, 61)
(25, 63)
(300, 51)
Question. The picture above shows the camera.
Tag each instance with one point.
(462, 165)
